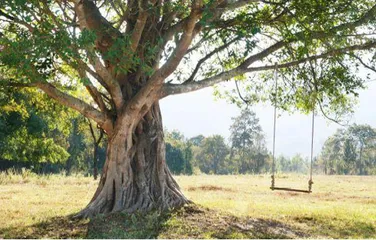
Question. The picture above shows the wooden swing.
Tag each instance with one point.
(310, 182)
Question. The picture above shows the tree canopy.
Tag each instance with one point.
(54, 45)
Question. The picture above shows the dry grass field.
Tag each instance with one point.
(239, 206)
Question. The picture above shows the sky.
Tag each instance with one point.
(199, 113)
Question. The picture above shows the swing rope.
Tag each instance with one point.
(274, 126)
(310, 181)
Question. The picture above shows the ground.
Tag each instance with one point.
(238, 206)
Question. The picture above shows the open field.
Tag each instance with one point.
(239, 206)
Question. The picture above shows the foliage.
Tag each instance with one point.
(38, 134)
(248, 143)
(212, 155)
(28, 132)
(179, 153)
(350, 151)
(318, 48)
(197, 140)
(296, 164)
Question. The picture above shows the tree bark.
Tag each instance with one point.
(135, 175)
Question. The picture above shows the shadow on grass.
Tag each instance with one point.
(56, 227)
(188, 222)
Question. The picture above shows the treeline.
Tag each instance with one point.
(212, 155)
(244, 153)
(351, 150)
(37, 134)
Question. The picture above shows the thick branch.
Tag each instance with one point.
(172, 89)
(151, 91)
(90, 18)
(261, 55)
(183, 44)
(72, 102)
(138, 29)
(244, 67)
(111, 84)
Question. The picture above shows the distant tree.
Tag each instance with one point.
(96, 142)
(248, 142)
(349, 154)
(282, 163)
(188, 158)
(76, 144)
(213, 155)
(174, 158)
(366, 138)
(175, 135)
(179, 153)
(350, 151)
(298, 164)
(197, 140)
(332, 153)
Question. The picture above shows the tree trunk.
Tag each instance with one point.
(360, 165)
(135, 176)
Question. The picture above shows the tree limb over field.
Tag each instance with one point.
(173, 89)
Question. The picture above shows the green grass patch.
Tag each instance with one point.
(188, 222)
(123, 225)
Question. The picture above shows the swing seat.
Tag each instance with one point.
(290, 189)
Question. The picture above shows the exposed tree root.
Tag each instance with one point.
(135, 176)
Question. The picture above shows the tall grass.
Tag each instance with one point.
(23, 176)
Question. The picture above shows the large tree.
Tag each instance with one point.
(212, 155)
(130, 54)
